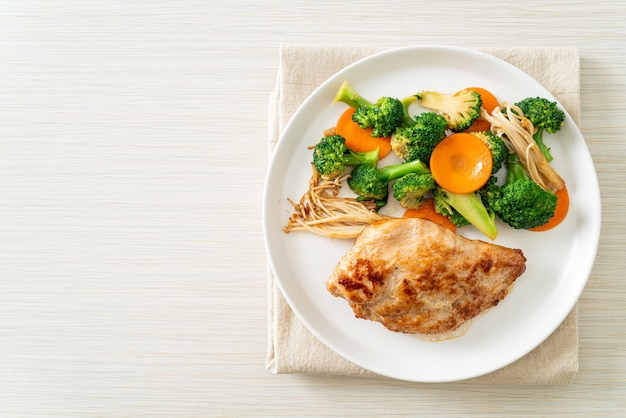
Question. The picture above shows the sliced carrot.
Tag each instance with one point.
(359, 139)
(427, 211)
(489, 103)
(461, 163)
(562, 207)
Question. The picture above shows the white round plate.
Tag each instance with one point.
(559, 261)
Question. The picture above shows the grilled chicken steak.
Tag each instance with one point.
(415, 276)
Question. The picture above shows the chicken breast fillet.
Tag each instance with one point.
(415, 276)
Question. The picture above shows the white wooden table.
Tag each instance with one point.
(132, 159)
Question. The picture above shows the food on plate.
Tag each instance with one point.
(383, 117)
(410, 189)
(465, 209)
(417, 140)
(427, 211)
(414, 276)
(545, 116)
(490, 102)
(360, 139)
(460, 109)
(331, 157)
(461, 163)
(499, 151)
(321, 211)
(517, 132)
(520, 202)
(443, 156)
(370, 183)
(560, 212)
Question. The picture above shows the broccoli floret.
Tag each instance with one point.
(367, 184)
(418, 140)
(520, 202)
(545, 116)
(331, 157)
(460, 109)
(465, 208)
(442, 207)
(370, 183)
(383, 117)
(409, 190)
(490, 192)
(499, 151)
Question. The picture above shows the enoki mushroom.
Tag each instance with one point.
(517, 133)
(321, 211)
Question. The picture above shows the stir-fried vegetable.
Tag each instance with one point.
(452, 152)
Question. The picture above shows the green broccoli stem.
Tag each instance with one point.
(346, 94)
(538, 137)
(353, 158)
(471, 207)
(515, 169)
(406, 103)
(392, 172)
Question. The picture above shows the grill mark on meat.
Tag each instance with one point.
(486, 264)
(363, 280)
(408, 290)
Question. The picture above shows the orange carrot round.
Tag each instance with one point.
(427, 211)
(461, 163)
(359, 139)
(489, 103)
(562, 207)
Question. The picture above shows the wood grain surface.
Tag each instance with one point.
(132, 159)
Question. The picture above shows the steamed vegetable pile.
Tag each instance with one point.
(452, 154)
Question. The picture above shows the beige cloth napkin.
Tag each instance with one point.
(292, 348)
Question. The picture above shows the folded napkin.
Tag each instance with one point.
(292, 348)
